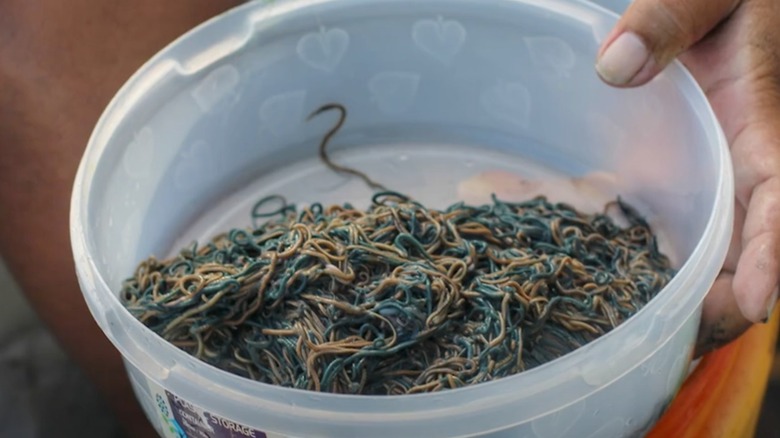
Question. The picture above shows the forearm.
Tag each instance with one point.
(60, 64)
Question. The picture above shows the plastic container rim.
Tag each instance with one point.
(705, 253)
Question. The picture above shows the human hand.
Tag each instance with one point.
(732, 47)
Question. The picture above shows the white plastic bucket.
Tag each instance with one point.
(217, 120)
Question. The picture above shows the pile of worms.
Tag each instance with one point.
(398, 298)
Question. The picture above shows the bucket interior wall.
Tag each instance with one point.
(451, 76)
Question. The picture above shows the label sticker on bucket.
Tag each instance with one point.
(182, 419)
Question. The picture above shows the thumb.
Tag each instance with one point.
(652, 33)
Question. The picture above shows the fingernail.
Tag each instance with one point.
(623, 59)
(770, 305)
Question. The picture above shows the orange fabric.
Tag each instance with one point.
(723, 396)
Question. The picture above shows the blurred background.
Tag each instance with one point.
(42, 394)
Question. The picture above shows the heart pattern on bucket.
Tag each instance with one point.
(283, 113)
(323, 50)
(551, 53)
(439, 38)
(394, 91)
(216, 86)
(199, 165)
(508, 101)
(139, 154)
(131, 231)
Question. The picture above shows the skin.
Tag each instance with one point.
(61, 62)
(741, 38)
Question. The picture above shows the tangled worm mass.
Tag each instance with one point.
(398, 298)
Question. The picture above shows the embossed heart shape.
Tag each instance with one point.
(138, 157)
(394, 92)
(508, 101)
(130, 229)
(439, 38)
(323, 50)
(198, 164)
(215, 87)
(283, 113)
(551, 53)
